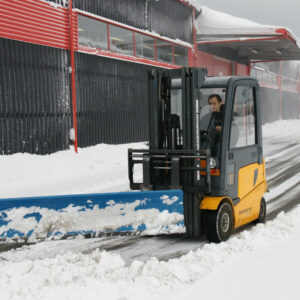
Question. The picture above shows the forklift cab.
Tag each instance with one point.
(221, 172)
(239, 143)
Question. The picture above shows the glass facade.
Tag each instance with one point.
(92, 33)
(121, 40)
(164, 51)
(103, 35)
(181, 55)
(144, 46)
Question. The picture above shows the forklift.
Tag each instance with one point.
(222, 174)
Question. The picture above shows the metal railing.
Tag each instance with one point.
(273, 80)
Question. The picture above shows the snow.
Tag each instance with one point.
(247, 258)
(260, 262)
(282, 128)
(194, 3)
(215, 22)
(98, 169)
(212, 22)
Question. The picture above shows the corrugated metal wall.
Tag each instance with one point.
(159, 16)
(164, 16)
(34, 98)
(111, 101)
(35, 22)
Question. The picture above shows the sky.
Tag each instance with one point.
(268, 12)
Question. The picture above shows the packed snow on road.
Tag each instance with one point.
(259, 262)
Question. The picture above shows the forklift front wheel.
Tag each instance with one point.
(262, 212)
(219, 224)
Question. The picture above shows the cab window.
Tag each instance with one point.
(243, 128)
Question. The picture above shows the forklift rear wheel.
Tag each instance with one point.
(262, 212)
(219, 224)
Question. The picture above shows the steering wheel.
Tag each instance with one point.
(206, 139)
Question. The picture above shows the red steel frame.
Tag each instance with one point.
(73, 74)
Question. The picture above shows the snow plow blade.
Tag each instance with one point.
(153, 212)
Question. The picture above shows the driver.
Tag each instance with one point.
(216, 122)
(217, 109)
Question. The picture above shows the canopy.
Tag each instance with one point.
(243, 40)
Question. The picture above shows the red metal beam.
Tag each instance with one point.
(73, 78)
(280, 90)
(120, 56)
(279, 37)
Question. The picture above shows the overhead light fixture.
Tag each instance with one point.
(148, 47)
(81, 29)
(278, 52)
(254, 51)
(116, 39)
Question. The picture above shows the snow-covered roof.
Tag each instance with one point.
(243, 38)
(193, 3)
(212, 22)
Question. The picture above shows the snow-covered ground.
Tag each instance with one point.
(261, 262)
(97, 169)
(101, 168)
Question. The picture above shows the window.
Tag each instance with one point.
(121, 40)
(164, 51)
(181, 56)
(103, 35)
(92, 33)
(243, 127)
(144, 46)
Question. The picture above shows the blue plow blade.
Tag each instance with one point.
(154, 212)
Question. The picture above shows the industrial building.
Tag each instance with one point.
(75, 72)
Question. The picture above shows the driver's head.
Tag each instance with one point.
(215, 102)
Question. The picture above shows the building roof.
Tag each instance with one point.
(243, 40)
(193, 3)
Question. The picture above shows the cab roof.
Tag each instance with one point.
(223, 81)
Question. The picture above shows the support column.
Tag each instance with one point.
(280, 89)
(73, 77)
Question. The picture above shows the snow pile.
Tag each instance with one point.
(282, 128)
(101, 275)
(102, 168)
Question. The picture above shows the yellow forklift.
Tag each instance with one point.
(221, 172)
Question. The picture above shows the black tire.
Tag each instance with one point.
(219, 224)
(262, 212)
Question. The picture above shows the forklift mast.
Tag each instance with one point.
(174, 155)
